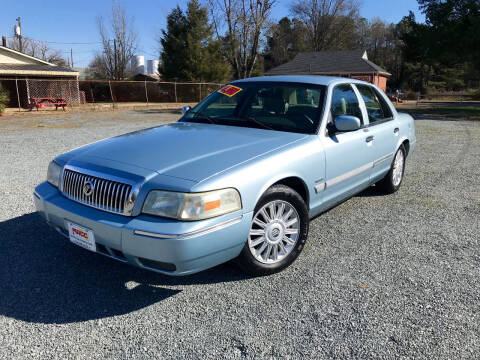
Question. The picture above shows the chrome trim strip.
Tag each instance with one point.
(207, 230)
(354, 172)
(98, 174)
(349, 174)
(382, 159)
(320, 185)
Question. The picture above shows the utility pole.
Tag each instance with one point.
(115, 58)
(18, 33)
(71, 56)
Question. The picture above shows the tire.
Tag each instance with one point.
(392, 181)
(284, 233)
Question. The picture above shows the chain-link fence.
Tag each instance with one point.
(24, 93)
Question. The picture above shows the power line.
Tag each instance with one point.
(79, 52)
(68, 43)
(61, 43)
(139, 51)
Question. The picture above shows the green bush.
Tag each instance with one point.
(3, 99)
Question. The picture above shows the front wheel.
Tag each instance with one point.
(392, 181)
(278, 232)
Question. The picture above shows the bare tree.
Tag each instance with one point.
(242, 22)
(96, 69)
(28, 47)
(55, 57)
(40, 50)
(119, 45)
(326, 21)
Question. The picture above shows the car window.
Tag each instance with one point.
(298, 105)
(276, 106)
(345, 102)
(225, 106)
(377, 108)
(387, 111)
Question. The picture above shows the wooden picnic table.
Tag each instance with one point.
(43, 102)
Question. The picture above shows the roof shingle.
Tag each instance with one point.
(35, 67)
(328, 62)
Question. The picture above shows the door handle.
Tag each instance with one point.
(396, 130)
(370, 138)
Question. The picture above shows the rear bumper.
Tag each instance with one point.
(163, 245)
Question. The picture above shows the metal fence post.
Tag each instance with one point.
(28, 91)
(69, 92)
(18, 94)
(111, 93)
(91, 94)
(146, 92)
(175, 87)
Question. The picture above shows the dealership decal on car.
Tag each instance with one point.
(80, 233)
(81, 236)
(230, 90)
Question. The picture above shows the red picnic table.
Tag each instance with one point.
(43, 102)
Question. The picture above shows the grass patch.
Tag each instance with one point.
(452, 111)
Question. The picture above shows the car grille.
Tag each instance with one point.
(107, 195)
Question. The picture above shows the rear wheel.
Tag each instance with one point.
(392, 181)
(278, 232)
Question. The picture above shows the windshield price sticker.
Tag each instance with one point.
(230, 90)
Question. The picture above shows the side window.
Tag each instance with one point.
(377, 108)
(345, 102)
(387, 112)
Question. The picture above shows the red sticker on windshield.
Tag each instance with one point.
(230, 90)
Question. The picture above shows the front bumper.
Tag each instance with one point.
(163, 245)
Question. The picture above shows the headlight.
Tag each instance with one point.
(53, 174)
(192, 206)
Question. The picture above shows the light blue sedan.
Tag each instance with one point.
(239, 176)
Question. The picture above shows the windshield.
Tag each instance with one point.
(268, 105)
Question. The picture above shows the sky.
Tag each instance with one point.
(69, 25)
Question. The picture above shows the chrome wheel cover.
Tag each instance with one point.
(274, 232)
(397, 172)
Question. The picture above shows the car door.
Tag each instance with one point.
(347, 154)
(382, 126)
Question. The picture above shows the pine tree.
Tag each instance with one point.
(189, 52)
(174, 50)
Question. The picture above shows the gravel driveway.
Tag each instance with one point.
(381, 276)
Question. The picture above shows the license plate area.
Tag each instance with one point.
(81, 236)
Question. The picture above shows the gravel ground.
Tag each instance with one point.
(381, 276)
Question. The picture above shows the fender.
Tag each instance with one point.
(277, 179)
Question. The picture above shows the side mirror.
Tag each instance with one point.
(347, 123)
(186, 109)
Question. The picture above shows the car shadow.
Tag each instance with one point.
(371, 191)
(46, 279)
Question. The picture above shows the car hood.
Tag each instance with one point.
(189, 151)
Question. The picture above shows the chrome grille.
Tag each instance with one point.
(107, 195)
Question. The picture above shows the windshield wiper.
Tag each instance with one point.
(200, 115)
(258, 123)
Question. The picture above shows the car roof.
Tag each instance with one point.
(304, 79)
